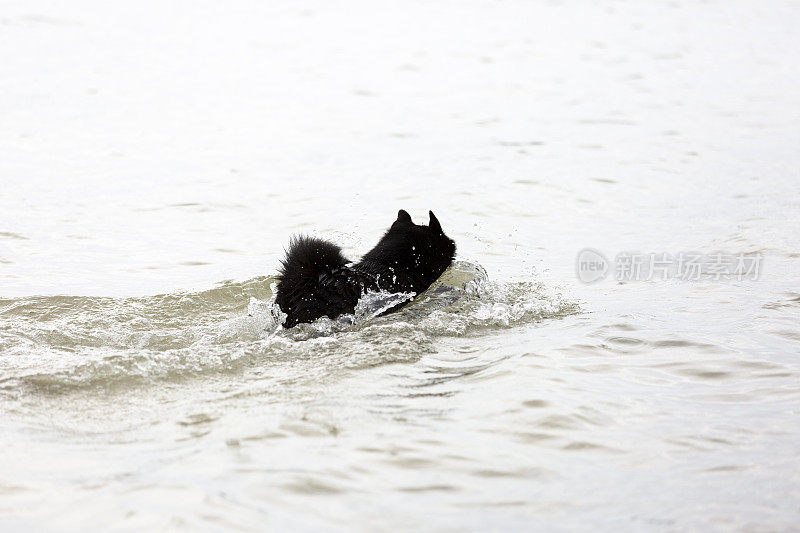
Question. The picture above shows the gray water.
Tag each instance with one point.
(155, 158)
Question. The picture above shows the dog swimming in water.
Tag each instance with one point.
(316, 280)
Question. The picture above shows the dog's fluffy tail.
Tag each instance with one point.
(305, 279)
(308, 258)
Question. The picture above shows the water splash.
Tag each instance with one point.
(373, 304)
(60, 342)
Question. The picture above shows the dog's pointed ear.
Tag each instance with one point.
(403, 217)
(434, 224)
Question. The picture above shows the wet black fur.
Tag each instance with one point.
(316, 280)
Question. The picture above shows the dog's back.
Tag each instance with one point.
(315, 282)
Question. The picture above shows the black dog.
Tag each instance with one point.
(316, 280)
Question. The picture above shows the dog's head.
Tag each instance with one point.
(428, 248)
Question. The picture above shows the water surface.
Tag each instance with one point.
(155, 160)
